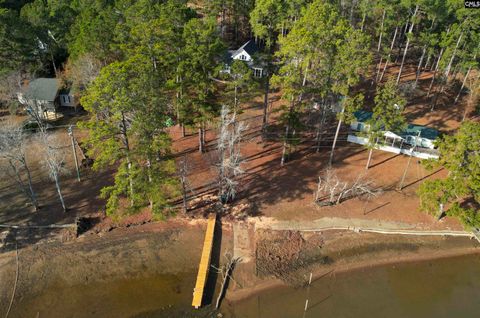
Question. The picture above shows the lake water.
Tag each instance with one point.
(439, 288)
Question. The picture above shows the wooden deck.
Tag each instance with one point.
(204, 263)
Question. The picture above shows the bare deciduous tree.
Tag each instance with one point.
(83, 70)
(10, 86)
(230, 158)
(54, 160)
(12, 150)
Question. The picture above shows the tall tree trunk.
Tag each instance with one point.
(419, 67)
(379, 67)
(126, 143)
(399, 46)
(304, 81)
(427, 62)
(318, 136)
(363, 21)
(400, 186)
(463, 85)
(389, 54)
(431, 83)
(437, 64)
(330, 160)
(149, 174)
(424, 50)
(284, 150)
(235, 99)
(59, 191)
(29, 194)
(200, 140)
(53, 63)
(369, 158)
(407, 44)
(265, 102)
(30, 186)
(434, 73)
(287, 129)
(204, 129)
(381, 32)
(353, 4)
(449, 66)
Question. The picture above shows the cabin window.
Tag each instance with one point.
(243, 57)
(257, 72)
(66, 99)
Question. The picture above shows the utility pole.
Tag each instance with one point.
(72, 138)
(400, 186)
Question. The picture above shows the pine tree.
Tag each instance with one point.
(201, 53)
(127, 129)
(387, 116)
(459, 193)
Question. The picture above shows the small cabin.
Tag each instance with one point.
(40, 98)
(43, 97)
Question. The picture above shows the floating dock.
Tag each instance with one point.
(204, 263)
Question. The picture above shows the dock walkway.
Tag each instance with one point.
(204, 263)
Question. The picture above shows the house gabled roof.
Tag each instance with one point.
(43, 89)
(250, 47)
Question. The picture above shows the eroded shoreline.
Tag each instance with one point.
(174, 247)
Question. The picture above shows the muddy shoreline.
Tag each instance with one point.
(174, 247)
(272, 283)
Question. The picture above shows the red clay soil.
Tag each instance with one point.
(287, 192)
(269, 190)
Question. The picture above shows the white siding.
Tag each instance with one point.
(242, 55)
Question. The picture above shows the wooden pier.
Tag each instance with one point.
(202, 275)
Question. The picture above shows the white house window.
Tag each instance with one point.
(257, 72)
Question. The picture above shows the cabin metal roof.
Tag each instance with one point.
(425, 132)
(44, 89)
(363, 115)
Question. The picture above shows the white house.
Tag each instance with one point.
(246, 53)
(415, 140)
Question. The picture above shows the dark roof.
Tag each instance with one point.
(362, 115)
(250, 47)
(43, 89)
(425, 132)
